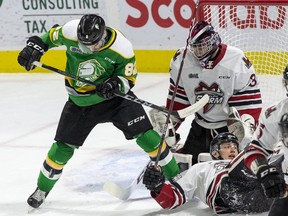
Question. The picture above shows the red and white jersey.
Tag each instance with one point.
(216, 183)
(229, 81)
(196, 182)
(267, 132)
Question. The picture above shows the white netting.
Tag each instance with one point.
(260, 29)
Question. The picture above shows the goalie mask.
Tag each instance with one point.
(285, 79)
(204, 42)
(223, 141)
(283, 124)
(91, 33)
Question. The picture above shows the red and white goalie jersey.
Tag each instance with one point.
(229, 80)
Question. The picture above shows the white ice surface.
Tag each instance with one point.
(30, 106)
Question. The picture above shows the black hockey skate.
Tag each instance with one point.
(37, 198)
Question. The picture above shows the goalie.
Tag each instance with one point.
(226, 75)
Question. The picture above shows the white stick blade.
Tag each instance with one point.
(194, 108)
(116, 191)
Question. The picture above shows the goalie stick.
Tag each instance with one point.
(179, 113)
(170, 110)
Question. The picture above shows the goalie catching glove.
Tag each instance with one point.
(33, 51)
(158, 120)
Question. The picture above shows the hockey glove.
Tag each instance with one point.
(33, 51)
(153, 179)
(271, 181)
(109, 87)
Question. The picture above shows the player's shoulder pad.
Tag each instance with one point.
(180, 52)
(234, 59)
(177, 57)
(234, 51)
(69, 30)
(122, 45)
(280, 107)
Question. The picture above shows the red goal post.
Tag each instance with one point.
(260, 29)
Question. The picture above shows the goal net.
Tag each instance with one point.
(260, 29)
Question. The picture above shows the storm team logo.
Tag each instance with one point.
(216, 95)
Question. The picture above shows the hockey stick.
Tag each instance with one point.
(124, 193)
(179, 113)
(165, 126)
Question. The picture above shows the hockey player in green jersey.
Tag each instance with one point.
(102, 55)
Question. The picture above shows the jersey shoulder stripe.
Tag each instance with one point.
(69, 30)
(122, 45)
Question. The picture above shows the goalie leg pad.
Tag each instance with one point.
(202, 157)
(242, 127)
(158, 120)
(184, 161)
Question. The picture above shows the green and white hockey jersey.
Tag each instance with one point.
(115, 58)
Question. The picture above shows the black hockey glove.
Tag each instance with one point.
(271, 181)
(153, 179)
(33, 51)
(109, 87)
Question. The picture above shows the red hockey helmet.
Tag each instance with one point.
(204, 41)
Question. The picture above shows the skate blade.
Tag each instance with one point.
(31, 210)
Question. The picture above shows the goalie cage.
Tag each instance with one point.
(260, 29)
